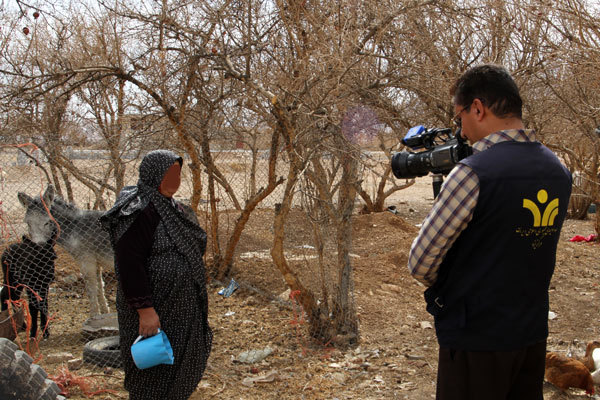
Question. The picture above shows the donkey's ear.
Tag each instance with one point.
(24, 199)
(49, 195)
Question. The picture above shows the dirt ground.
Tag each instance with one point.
(397, 354)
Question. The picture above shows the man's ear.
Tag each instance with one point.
(480, 110)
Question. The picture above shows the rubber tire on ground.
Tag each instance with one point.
(20, 378)
(103, 352)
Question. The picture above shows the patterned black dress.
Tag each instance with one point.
(172, 280)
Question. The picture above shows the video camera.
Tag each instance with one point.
(432, 150)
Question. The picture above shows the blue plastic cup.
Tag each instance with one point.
(152, 351)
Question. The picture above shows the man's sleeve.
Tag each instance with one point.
(450, 215)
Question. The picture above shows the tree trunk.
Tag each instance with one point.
(119, 168)
(319, 246)
(346, 319)
(253, 167)
(305, 297)
(214, 224)
(194, 165)
(227, 262)
(377, 204)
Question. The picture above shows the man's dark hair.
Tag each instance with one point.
(493, 85)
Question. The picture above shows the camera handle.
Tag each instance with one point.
(437, 181)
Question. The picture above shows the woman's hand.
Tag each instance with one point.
(149, 322)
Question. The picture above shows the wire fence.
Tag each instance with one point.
(59, 287)
(582, 195)
(58, 299)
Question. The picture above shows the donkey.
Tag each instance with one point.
(79, 233)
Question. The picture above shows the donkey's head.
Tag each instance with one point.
(41, 227)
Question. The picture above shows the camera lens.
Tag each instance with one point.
(407, 165)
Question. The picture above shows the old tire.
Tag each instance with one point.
(20, 379)
(103, 352)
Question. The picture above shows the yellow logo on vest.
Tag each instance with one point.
(550, 212)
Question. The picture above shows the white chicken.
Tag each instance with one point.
(596, 358)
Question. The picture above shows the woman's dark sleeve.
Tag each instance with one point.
(132, 252)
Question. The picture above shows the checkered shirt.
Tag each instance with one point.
(452, 211)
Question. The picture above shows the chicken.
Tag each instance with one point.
(592, 352)
(564, 372)
(596, 377)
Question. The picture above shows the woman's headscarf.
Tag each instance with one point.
(188, 236)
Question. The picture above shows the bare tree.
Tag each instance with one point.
(308, 67)
(299, 84)
(572, 39)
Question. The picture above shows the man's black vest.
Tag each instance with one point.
(492, 289)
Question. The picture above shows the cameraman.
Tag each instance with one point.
(487, 249)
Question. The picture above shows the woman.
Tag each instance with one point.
(158, 261)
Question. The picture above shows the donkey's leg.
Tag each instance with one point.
(44, 324)
(9, 295)
(101, 296)
(88, 269)
(11, 290)
(44, 314)
(33, 312)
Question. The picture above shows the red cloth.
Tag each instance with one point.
(579, 238)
